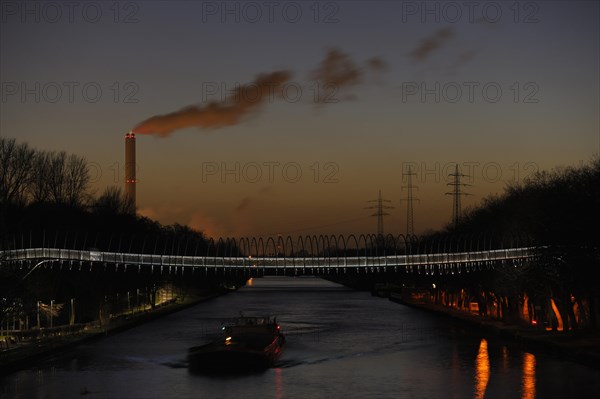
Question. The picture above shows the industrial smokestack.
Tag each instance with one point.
(130, 179)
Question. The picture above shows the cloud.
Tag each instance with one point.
(377, 64)
(244, 203)
(206, 224)
(432, 43)
(464, 58)
(265, 189)
(250, 199)
(170, 214)
(338, 71)
(149, 213)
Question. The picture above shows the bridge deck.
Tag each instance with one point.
(406, 261)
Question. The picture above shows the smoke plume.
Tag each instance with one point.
(431, 43)
(377, 64)
(337, 70)
(243, 101)
(249, 200)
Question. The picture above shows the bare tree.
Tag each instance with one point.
(16, 165)
(39, 189)
(77, 180)
(55, 176)
(67, 178)
(39, 176)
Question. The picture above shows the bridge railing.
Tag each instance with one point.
(39, 254)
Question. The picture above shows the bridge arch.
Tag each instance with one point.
(404, 250)
(389, 239)
(319, 245)
(324, 240)
(220, 246)
(300, 243)
(231, 246)
(341, 240)
(364, 238)
(254, 243)
(280, 244)
(353, 237)
(319, 251)
(397, 250)
(245, 246)
(210, 245)
(316, 242)
(271, 241)
(312, 249)
(289, 245)
(368, 248)
(336, 254)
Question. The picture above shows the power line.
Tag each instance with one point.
(380, 213)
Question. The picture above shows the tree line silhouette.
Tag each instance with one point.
(560, 210)
(46, 200)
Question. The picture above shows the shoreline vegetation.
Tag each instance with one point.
(579, 346)
(23, 354)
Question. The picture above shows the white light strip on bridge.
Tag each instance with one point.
(271, 261)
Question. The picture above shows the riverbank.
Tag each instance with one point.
(24, 355)
(582, 347)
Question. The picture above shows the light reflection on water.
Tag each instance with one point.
(482, 368)
(528, 382)
(278, 383)
(482, 371)
(340, 343)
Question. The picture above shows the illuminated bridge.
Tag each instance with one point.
(361, 261)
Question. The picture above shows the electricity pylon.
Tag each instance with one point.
(380, 213)
(456, 194)
(410, 221)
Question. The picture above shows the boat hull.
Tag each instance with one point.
(222, 361)
(252, 343)
(228, 358)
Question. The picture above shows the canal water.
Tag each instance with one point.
(340, 344)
